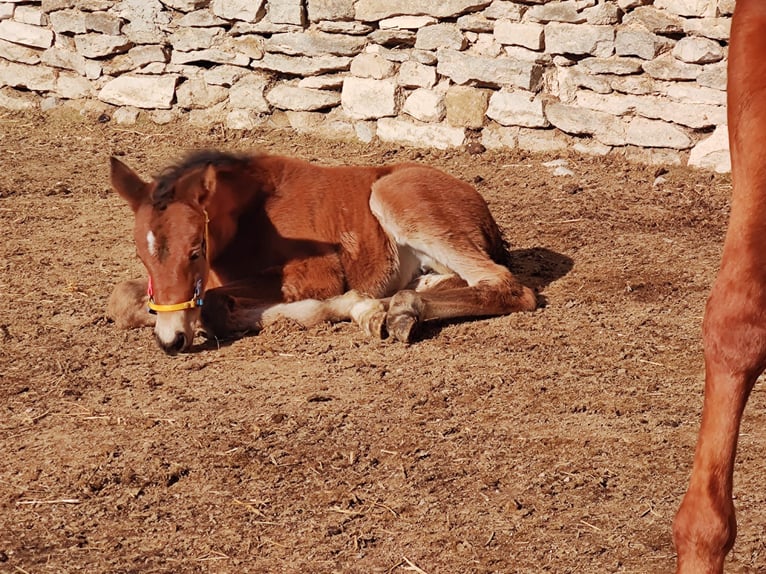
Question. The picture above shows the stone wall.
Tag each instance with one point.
(623, 76)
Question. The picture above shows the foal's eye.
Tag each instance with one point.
(194, 256)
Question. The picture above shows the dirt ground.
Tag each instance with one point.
(553, 441)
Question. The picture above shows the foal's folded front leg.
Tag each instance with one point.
(128, 304)
(230, 316)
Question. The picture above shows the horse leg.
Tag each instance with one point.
(444, 224)
(128, 303)
(499, 294)
(235, 310)
(735, 353)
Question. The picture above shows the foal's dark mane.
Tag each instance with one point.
(164, 192)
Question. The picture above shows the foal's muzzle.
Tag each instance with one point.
(174, 347)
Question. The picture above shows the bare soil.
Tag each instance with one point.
(553, 441)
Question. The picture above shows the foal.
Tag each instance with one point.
(259, 237)
(734, 328)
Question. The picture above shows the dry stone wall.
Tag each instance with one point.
(637, 77)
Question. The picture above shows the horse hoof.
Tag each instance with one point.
(401, 326)
(375, 325)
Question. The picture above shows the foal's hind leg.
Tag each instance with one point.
(127, 305)
(499, 294)
(446, 225)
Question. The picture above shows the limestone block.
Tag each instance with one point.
(606, 128)
(504, 10)
(314, 44)
(655, 133)
(579, 39)
(225, 75)
(241, 119)
(190, 39)
(287, 97)
(147, 20)
(654, 20)
(694, 8)
(542, 141)
(517, 108)
(425, 105)
(60, 58)
(73, 86)
(11, 99)
(638, 41)
(103, 22)
(367, 98)
(405, 132)
(614, 65)
(713, 28)
(463, 68)
(25, 34)
(27, 14)
(713, 152)
(139, 91)
(373, 10)
(517, 34)
(18, 53)
(565, 11)
(713, 76)
(323, 82)
(466, 106)
(196, 94)
(406, 22)
(301, 66)
(666, 67)
(250, 45)
(245, 10)
(95, 45)
(606, 14)
(38, 78)
(248, 93)
(499, 137)
(372, 66)
(696, 50)
(341, 27)
(142, 55)
(186, 5)
(285, 11)
(199, 19)
(440, 36)
(72, 21)
(416, 75)
(330, 10)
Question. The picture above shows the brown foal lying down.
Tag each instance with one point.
(259, 237)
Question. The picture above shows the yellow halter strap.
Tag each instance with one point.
(197, 297)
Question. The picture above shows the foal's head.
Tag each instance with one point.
(171, 240)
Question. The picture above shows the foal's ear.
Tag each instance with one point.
(209, 183)
(127, 184)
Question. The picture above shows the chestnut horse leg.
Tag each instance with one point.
(735, 349)
(734, 328)
(499, 293)
(248, 306)
(446, 225)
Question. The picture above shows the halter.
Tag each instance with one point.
(195, 301)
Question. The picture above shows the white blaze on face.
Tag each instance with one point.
(151, 243)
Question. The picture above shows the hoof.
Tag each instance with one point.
(401, 326)
(375, 325)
